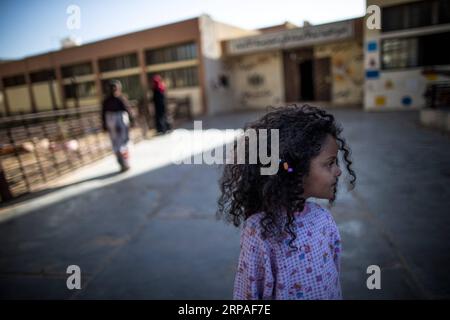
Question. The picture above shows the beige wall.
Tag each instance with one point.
(120, 73)
(43, 98)
(19, 99)
(193, 93)
(269, 68)
(2, 104)
(347, 71)
(218, 98)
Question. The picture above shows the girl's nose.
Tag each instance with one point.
(339, 172)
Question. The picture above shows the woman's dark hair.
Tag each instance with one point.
(302, 132)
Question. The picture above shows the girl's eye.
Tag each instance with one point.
(332, 162)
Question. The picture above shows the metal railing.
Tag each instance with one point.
(438, 95)
(37, 148)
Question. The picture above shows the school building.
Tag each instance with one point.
(313, 63)
(184, 53)
(409, 56)
(218, 66)
(223, 68)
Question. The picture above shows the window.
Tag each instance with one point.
(415, 15)
(76, 70)
(392, 18)
(444, 11)
(131, 86)
(42, 76)
(399, 53)
(178, 78)
(432, 51)
(118, 63)
(419, 14)
(170, 54)
(417, 51)
(80, 90)
(13, 81)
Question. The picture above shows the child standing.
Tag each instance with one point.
(290, 247)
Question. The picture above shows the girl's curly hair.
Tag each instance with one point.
(302, 131)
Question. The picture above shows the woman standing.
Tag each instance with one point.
(159, 100)
(116, 118)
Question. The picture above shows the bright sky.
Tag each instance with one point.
(31, 27)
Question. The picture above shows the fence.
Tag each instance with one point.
(438, 95)
(38, 148)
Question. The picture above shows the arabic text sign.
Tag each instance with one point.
(292, 38)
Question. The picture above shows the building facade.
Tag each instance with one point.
(313, 63)
(407, 55)
(186, 54)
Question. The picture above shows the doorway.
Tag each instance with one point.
(322, 79)
(306, 80)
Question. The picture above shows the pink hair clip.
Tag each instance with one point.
(286, 166)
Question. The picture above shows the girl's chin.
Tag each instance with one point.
(332, 195)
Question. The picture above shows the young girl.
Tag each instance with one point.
(290, 247)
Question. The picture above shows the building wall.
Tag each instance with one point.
(347, 71)
(18, 99)
(257, 80)
(267, 68)
(92, 100)
(2, 104)
(347, 76)
(137, 42)
(225, 83)
(43, 96)
(194, 94)
(218, 96)
(399, 89)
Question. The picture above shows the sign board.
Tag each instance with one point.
(298, 37)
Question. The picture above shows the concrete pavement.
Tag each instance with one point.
(151, 233)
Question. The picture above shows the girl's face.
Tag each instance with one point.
(323, 172)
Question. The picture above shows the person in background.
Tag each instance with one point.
(159, 100)
(116, 119)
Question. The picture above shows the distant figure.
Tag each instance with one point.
(159, 100)
(116, 118)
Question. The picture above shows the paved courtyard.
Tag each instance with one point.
(151, 233)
